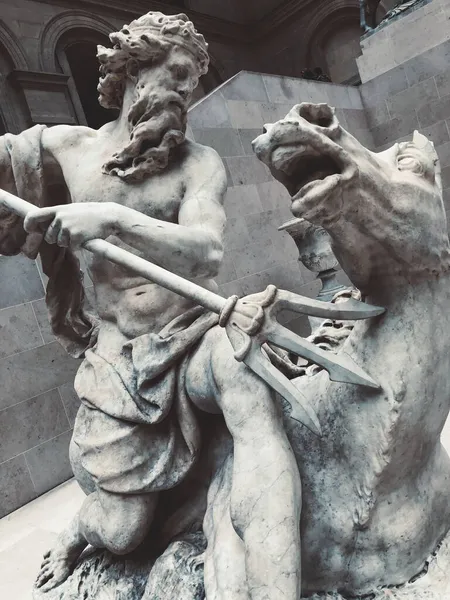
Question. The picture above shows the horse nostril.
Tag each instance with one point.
(317, 114)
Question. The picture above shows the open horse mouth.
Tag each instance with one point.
(305, 152)
(301, 168)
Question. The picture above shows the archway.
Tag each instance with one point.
(335, 45)
(76, 55)
(13, 113)
(6, 67)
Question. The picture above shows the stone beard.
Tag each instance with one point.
(157, 117)
(157, 124)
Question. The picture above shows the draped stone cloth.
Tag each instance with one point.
(137, 430)
(22, 173)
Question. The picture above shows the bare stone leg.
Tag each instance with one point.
(266, 490)
(225, 553)
(116, 522)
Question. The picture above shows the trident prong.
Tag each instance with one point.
(341, 367)
(250, 323)
(301, 407)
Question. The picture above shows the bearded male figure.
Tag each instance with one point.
(155, 361)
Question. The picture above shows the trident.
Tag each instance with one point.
(251, 322)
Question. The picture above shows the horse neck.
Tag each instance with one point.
(415, 329)
(407, 351)
(420, 308)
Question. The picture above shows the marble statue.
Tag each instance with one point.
(200, 480)
(155, 363)
(376, 485)
(155, 359)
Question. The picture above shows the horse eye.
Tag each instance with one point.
(408, 163)
(180, 72)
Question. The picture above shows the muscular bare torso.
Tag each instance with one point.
(128, 305)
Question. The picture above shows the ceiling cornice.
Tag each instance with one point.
(214, 29)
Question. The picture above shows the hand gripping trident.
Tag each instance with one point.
(250, 322)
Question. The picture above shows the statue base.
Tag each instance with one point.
(178, 573)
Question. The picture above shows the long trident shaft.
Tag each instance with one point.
(123, 258)
(250, 323)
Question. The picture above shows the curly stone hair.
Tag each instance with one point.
(145, 40)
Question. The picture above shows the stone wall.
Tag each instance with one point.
(415, 95)
(408, 36)
(37, 401)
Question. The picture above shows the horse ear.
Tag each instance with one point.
(422, 142)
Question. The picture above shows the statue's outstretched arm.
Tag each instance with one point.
(192, 247)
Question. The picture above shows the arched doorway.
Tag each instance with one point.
(12, 105)
(76, 54)
(5, 70)
(335, 45)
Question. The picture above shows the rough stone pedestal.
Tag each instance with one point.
(178, 575)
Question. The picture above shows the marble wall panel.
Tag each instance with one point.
(444, 154)
(49, 462)
(41, 314)
(443, 83)
(247, 136)
(251, 87)
(22, 430)
(226, 142)
(416, 97)
(394, 129)
(387, 84)
(70, 400)
(430, 63)
(23, 281)
(434, 112)
(16, 485)
(437, 133)
(33, 372)
(416, 34)
(19, 330)
(214, 113)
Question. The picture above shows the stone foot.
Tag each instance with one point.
(59, 561)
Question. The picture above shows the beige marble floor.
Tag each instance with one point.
(27, 533)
